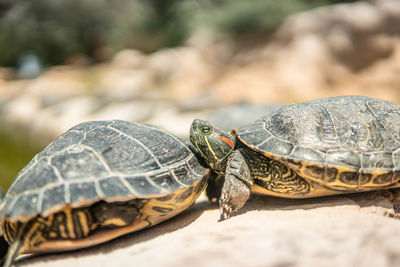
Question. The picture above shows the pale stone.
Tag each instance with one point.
(125, 84)
(184, 72)
(169, 118)
(322, 52)
(13, 89)
(232, 117)
(50, 122)
(22, 109)
(129, 58)
(136, 111)
(58, 83)
(6, 74)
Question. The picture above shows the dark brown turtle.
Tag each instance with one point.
(98, 181)
(322, 147)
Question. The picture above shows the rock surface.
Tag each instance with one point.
(330, 231)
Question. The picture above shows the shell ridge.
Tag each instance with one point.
(266, 140)
(359, 170)
(167, 133)
(187, 162)
(173, 174)
(155, 184)
(394, 168)
(130, 188)
(99, 157)
(104, 163)
(67, 194)
(333, 123)
(139, 142)
(367, 104)
(39, 201)
(56, 171)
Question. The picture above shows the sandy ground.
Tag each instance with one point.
(330, 231)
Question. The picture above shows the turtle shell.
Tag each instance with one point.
(101, 160)
(342, 142)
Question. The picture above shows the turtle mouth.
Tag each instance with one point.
(195, 141)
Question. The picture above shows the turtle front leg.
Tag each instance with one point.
(237, 184)
(395, 198)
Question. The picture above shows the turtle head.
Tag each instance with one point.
(213, 144)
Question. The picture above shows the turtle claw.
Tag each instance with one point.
(392, 214)
(223, 217)
(225, 209)
(234, 195)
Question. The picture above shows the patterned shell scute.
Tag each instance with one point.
(352, 132)
(101, 160)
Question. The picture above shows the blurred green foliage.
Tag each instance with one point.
(56, 30)
(257, 15)
(149, 25)
(53, 30)
(15, 153)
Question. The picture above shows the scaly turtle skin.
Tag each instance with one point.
(323, 147)
(98, 181)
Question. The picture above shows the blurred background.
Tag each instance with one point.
(166, 62)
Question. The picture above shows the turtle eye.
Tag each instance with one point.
(205, 129)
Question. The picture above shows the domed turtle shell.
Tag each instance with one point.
(102, 160)
(345, 143)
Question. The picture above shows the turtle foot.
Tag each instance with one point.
(394, 196)
(392, 214)
(234, 195)
(224, 208)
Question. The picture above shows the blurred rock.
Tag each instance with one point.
(138, 111)
(355, 34)
(232, 117)
(78, 60)
(217, 49)
(6, 74)
(380, 80)
(125, 84)
(128, 58)
(11, 89)
(22, 109)
(55, 119)
(320, 53)
(58, 83)
(169, 117)
(29, 66)
(183, 72)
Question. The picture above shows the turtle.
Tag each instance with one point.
(328, 146)
(98, 181)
